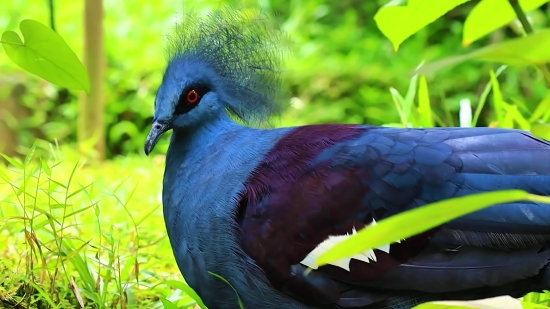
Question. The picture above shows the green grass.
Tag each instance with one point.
(98, 230)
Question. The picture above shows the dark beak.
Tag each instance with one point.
(157, 129)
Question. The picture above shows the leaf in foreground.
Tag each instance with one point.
(489, 15)
(541, 130)
(501, 302)
(44, 53)
(528, 50)
(187, 290)
(398, 23)
(418, 220)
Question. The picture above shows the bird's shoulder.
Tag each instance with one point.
(324, 180)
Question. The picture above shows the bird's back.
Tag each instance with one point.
(323, 181)
(256, 206)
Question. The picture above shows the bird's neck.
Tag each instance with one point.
(196, 138)
(196, 162)
(205, 172)
(212, 155)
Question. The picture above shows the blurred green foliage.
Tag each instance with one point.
(340, 69)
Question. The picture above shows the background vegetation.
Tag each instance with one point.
(80, 231)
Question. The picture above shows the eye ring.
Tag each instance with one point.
(192, 96)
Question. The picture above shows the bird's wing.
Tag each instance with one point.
(322, 182)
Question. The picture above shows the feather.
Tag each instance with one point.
(488, 239)
(377, 172)
(331, 241)
(243, 54)
(438, 269)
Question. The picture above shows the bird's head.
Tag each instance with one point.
(225, 62)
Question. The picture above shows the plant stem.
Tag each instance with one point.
(544, 68)
(52, 14)
(12, 43)
(521, 16)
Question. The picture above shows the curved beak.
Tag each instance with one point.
(157, 129)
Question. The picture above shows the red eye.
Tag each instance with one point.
(192, 96)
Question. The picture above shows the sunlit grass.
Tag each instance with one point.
(89, 235)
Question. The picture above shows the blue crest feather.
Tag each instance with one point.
(243, 50)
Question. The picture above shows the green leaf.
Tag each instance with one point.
(241, 305)
(424, 107)
(498, 102)
(168, 304)
(416, 15)
(29, 155)
(398, 101)
(46, 168)
(484, 96)
(435, 305)
(187, 290)
(541, 130)
(404, 104)
(541, 109)
(528, 50)
(45, 54)
(13, 162)
(489, 15)
(528, 305)
(426, 217)
(501, 302)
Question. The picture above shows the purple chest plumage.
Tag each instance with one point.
(325, 181)
(295, 200)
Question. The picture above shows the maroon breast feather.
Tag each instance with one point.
(290, 205)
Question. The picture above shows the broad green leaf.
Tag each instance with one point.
(426, 217)
(528, 50)
(29, 155)
(501, 302)
(398, 23)
(541, 130)
(45, 54)
(489, 15)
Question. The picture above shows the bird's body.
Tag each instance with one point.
(251, 205)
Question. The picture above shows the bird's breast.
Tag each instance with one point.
(203, 178)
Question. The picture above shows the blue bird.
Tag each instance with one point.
(256, 205)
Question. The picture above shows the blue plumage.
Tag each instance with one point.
(236, 53)
(253, 205)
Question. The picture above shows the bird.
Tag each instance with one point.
(248, 206)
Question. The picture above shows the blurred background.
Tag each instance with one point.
(340, 69)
